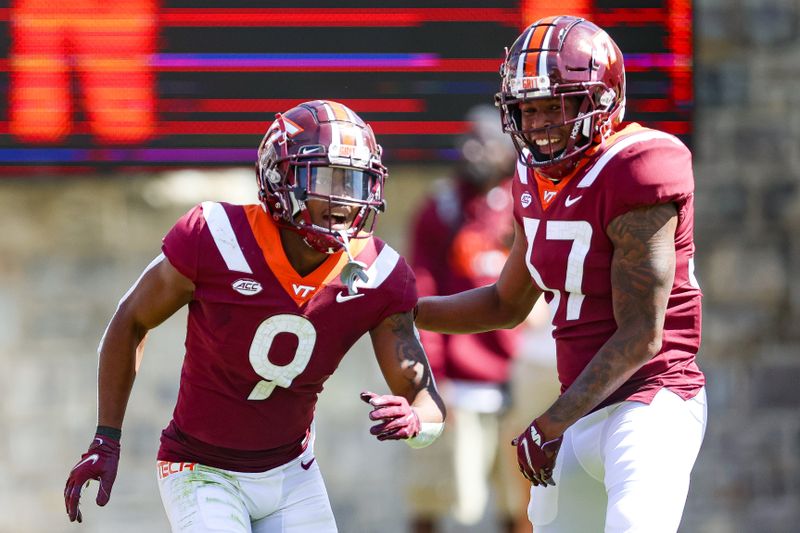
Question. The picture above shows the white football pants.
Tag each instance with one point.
(286, 499)
(624, 469)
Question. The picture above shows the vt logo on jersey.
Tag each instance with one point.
(302, 290)
(547, 195)
(248, 287)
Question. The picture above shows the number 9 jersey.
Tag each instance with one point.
(262, 339)
(569, 254)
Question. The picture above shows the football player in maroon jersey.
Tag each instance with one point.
(604, 220)
(278, 292)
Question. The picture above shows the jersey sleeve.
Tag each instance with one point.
(181, 244)
(649, 173)
(517, 191)
(401, 294)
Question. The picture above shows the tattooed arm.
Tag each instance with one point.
(405, 366)
(504, 304)
(642, 273)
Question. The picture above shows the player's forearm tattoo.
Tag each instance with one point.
(409, 352)
(642, 273)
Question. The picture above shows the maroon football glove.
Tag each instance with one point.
(398, 419)
(99, 462)
(536, 458)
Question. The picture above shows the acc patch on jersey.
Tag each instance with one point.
(248, 287)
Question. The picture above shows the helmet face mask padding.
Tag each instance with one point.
(563, 57)
(321, 151)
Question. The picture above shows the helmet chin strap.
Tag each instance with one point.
(353, 270)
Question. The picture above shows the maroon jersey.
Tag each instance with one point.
(569, 254)
(261, 339)
(461, 239)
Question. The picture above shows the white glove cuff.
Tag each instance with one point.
(429, 432)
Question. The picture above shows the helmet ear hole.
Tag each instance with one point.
(607, 99)
(274, 203)
(272, 175)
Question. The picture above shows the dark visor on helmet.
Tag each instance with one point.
(337, 181)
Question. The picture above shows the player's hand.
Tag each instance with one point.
(99, 462)
(398, 420)
(536, 457)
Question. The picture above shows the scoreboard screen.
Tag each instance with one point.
(113, 85)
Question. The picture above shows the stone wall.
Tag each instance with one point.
(747, 165)
(69, 247)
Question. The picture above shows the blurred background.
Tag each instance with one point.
(117, 117)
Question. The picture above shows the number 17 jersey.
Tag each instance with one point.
(569, 254)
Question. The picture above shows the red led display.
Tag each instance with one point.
(174, 82)
(107, 46)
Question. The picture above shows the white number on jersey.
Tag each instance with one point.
(280, 376)
(580, 233)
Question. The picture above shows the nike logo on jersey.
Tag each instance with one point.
(93, 458)
(245, 286)
(341, 297)
(306, 466)
(569, 201)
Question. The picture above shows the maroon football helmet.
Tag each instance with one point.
(321, 150)
(565, 57)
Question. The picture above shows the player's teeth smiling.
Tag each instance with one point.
(547, 142)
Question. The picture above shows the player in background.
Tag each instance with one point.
(460, 239)
(604, 220)
(277, 292)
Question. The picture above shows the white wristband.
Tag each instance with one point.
(429, 432)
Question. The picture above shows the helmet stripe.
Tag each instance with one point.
(532, 58)
(520, 73)
(539, 36)
(351, 116)
(342, 133)
(543, 71)
(339, 111)
(336, 136)
(328, 111)
(359, 138)
(349, 135)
